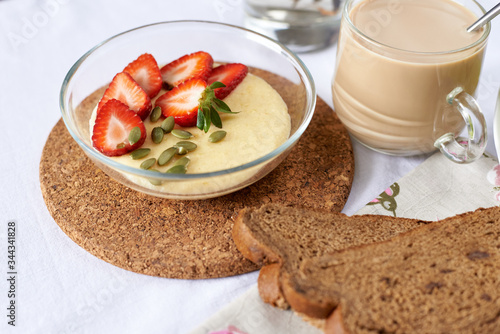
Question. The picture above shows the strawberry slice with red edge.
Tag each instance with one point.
(194, 103)
(145, 71)
(112, 128)
(231, 75)
(194, 65)
(125, 89)
(182, 102)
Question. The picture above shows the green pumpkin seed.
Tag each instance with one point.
(139, 153)
(168, 124)
(217, 136)
(134, 136)
(155, 182)
(120, 146)
(181, 134)
(184, 161)
(157, 135)
(166, 155)
(182, 150)
(188, 145)
(148, 163)
(177, 169)
(155, 114)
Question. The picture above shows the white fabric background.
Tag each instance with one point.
(61, 288)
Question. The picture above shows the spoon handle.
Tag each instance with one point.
(485, 18)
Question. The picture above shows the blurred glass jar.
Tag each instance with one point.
(301, 25)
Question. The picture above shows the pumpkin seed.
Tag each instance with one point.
(184, 161)
(166, 155)
(188, 145)
(155, 114)
(177, 169)
(181, 134)
(120, 146)
(155, 182)
(217, 136)
(168, 124)
(182, 150)
(140, 153)
(148, 163)
(157, 135)
(134, 136)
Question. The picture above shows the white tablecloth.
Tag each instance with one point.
(60, 288)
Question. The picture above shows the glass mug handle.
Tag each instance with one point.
(464, 149)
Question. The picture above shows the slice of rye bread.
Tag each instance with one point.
(440, 278)
(280, 237)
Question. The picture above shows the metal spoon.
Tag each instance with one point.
(488, 16)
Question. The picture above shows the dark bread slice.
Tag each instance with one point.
(440, 278)
(280, 237)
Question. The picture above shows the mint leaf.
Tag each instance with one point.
(216, 84)
(200, 120)
(221, 106)
(215, 118)
(208, 119)
(209, 108)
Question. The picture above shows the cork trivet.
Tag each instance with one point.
(188, 239)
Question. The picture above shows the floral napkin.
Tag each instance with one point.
(439, 188)
(436, 189)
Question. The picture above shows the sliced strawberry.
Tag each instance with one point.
(230, 75)
(182, 102)
(194, 65)
(146, 73)
(125, 89)
(112, 128)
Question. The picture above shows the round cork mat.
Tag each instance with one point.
(182, 238)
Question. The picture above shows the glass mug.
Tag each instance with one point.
(399, 101)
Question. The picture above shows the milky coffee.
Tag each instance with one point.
(393, 74)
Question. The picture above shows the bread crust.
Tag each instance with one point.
(255, 251)
(249, 246)
(269, 286)
(301, 303)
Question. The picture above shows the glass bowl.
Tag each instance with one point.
(166, 41)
